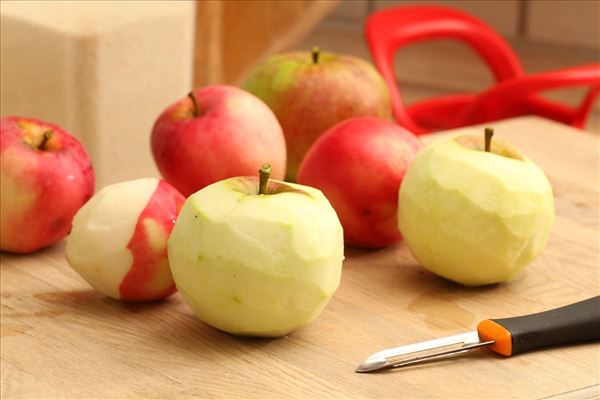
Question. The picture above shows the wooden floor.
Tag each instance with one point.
(444, 67)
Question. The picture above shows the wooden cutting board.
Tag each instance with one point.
(62, 339)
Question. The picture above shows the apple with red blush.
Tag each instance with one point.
(311, 91)
(119, 239)
(215, 133)
(46, 176)
(359, 165)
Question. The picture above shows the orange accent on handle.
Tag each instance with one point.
(490, 330)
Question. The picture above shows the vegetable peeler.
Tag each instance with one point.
(577, 322)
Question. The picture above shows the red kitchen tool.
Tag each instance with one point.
(507, 336)
(514, 93)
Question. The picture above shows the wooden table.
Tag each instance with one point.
(62, 339)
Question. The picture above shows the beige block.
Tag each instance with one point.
(502, 15)
(568, 22)
(103, 70)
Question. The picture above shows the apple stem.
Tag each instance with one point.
(315, 52)
(264, 172)
(47, 136)
(489, 132)
(195, 109)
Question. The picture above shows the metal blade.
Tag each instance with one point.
(406, 355)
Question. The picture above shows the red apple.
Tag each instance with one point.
(359, 165)
(309, 92)
(119, 239)
(215, 133)
(46, 177)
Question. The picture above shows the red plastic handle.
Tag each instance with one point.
(514, 94)
(390, 29)
(520, 97)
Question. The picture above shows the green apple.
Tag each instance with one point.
(257, 257)
(474, 211)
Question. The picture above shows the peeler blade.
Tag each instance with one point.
(409, 354)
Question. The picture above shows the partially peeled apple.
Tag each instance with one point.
(475, 211)
(119, 239)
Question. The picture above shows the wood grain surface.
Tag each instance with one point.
(60, 338)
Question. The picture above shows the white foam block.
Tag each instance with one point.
(103, 70)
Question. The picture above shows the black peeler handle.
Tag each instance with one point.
(577, 322)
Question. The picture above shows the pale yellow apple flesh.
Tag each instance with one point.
(472, 216)
(257, 265)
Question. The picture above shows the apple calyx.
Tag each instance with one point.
(315, 53)
(264, 173)
(195, 109)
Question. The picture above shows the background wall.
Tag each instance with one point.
(573, 22)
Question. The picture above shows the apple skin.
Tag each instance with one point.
(41, 188)
(234, 133)
(359, 165)
(119, 239)
(472, 216)
(257, 265)
(310, 97)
